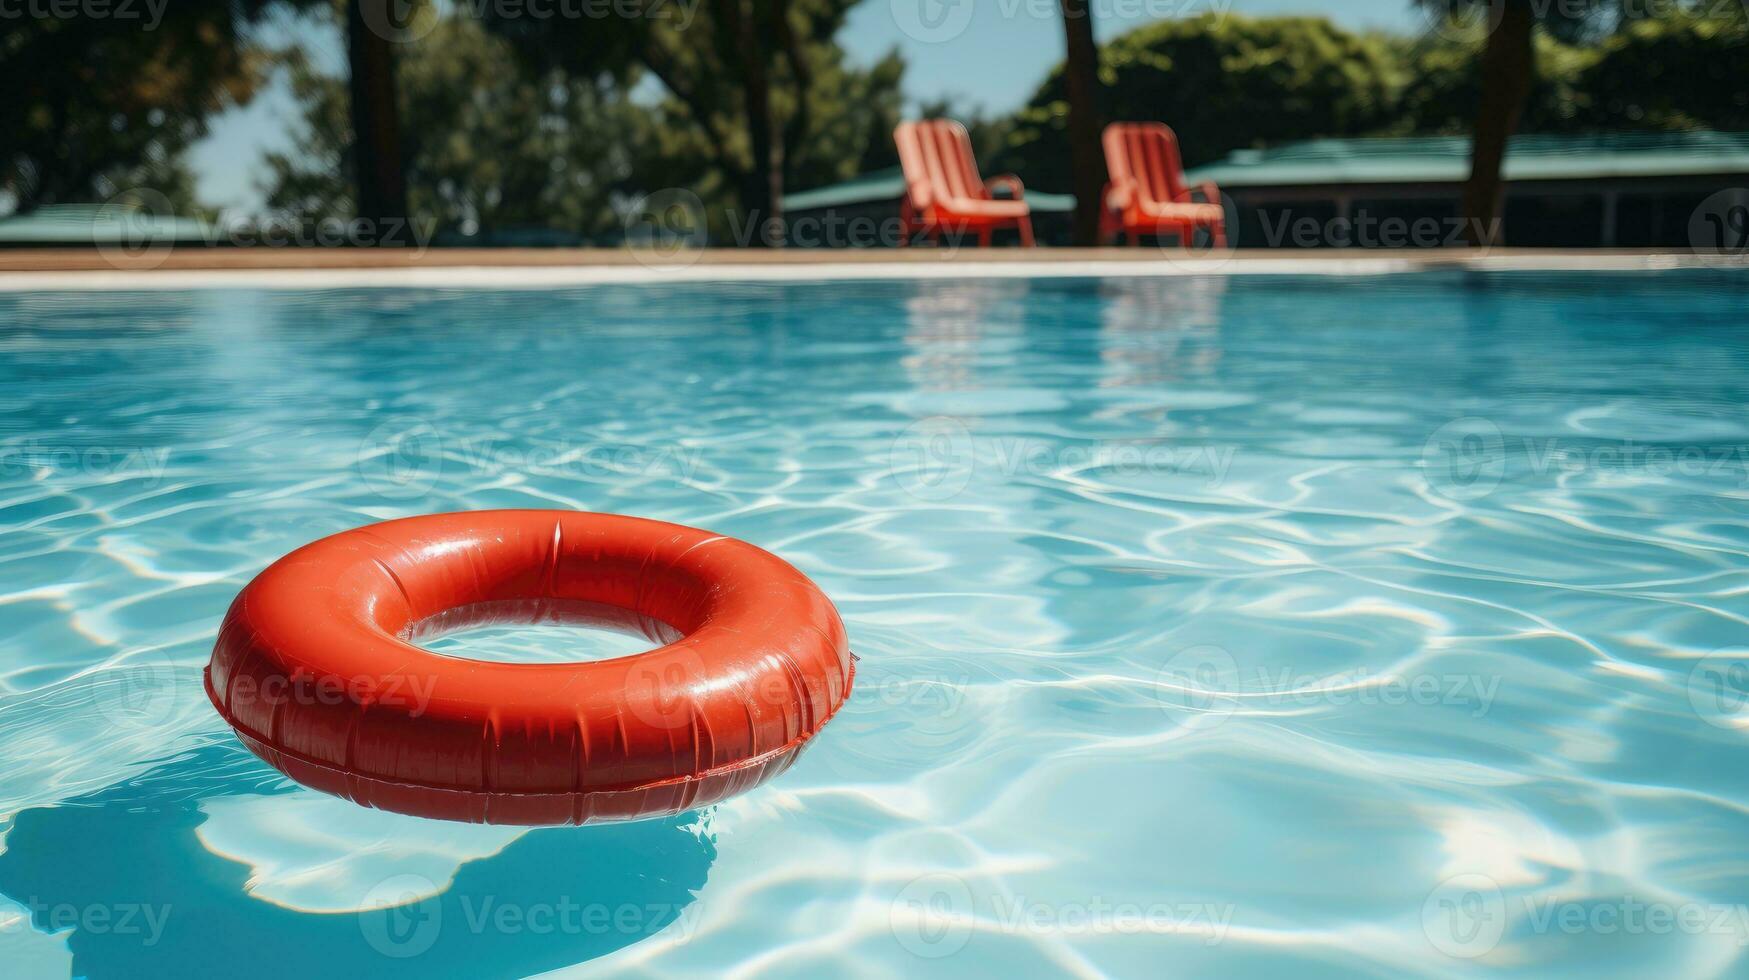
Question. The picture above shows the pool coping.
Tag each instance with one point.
(91, 269)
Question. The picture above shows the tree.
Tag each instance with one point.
(499, 147)
(852, 114)
(850, 131)
(1223, 83)
(742, 71)
(493, 148)
(100, 103)
(1674, 72)
(1081, 82)
(377, 159)
(1442, 83)
(1509, 70)
(1677, 72)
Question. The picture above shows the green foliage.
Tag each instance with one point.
(1567, 20)
(708, 61)
(1222, 82)
(1229, 82)
(854, 114)
(95, 102)
(1683, 72)
(1442, 85)
(500, 144)
(1677, 71)
(850, 131)
(488, 146)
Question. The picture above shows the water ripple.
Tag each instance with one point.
(1268, 627)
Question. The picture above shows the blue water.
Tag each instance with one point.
(1252, 627)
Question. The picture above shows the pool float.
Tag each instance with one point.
(316, 669)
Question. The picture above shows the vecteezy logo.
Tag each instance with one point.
(135, 229)
(401, 458)
(932, 916)
(1718, 230)
(915, 712)
(1718, 688)
(1464, 916)
(933, 458)
(1198, 250)
(139, 695)
(667, 229)
(402, 916)
(1197, 687)
(660, 686)
(1463, 20)
(398, 21)
(1464, 459)
(932, 21)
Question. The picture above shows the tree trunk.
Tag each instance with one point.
(800, 124)
(1508, 71)
(764, 198)
(762, 190)
(376, 131)
(1081, 75)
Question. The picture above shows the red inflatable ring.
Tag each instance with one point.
(316, 669)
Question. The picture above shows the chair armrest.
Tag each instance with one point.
(1016, 190)
(1209, 191)
(1117, 195)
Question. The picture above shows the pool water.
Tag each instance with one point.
(1208, 627)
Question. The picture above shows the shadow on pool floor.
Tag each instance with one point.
(130, 850)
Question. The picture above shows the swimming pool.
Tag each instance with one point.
(1262, 626)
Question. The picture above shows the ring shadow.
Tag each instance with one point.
(132, 845)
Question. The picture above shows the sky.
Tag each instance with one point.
(986, 55)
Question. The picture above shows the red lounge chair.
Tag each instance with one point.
(942, 189)
(1147, 194)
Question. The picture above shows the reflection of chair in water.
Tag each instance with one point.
(133, 846)
(1159, 329)
(945, 325)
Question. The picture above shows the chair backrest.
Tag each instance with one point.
(1145, 156)
(936, 155)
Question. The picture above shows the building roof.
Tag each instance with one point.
(1395, 160)
(889, 185)
(88, 224)
(1446, 159)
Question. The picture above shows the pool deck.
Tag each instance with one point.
(173, 268)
